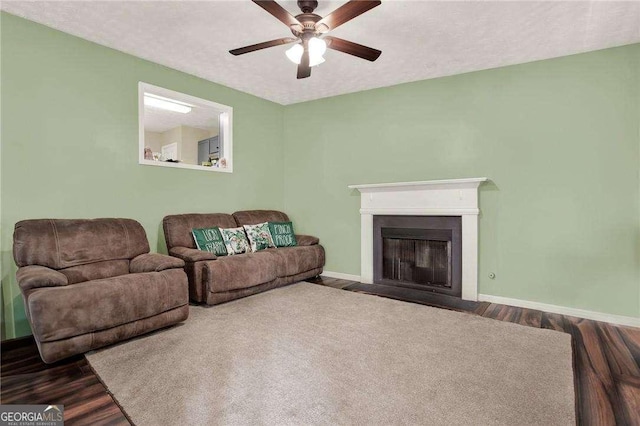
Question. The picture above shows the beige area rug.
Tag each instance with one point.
(307, 354)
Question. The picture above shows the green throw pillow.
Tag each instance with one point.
(209, 239)
(259, 236)
(235, 240)
(282, 234)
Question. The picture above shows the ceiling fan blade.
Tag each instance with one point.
(347, 12)
(304, 70)
(259, 46)
(279, 12)
(352, 48)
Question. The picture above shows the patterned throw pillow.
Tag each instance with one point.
(259, 236)
(282, 233)
(209, 239)
(235, 240)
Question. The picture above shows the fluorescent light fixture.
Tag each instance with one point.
(317, 47)
(156, 101)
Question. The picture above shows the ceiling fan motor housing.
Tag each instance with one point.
(308, 21)
(307, 6)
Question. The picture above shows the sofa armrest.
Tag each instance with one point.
(307, 240)
(154, 262)
(35, 276)
(191, 255)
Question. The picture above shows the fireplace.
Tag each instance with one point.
(457, 198)
(420, 252)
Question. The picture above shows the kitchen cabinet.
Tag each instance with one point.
(209, 148)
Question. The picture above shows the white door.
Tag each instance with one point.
(170, 152)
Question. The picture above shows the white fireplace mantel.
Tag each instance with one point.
(452, 197)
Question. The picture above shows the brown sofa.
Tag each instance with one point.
(89, 283)
(214, 280)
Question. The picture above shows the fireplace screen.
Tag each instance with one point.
(417, 259)
(418, 252)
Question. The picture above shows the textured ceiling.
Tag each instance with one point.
(418, 39)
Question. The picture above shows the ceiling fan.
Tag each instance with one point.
(308, 27)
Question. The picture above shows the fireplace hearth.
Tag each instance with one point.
(420, 252)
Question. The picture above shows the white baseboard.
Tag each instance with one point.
(341, 276)
(554, 309)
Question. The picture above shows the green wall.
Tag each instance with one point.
(70, 143)
(559, 139)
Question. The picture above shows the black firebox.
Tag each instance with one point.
(420, 252)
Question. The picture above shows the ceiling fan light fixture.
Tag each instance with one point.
(294, 53)
(315, 60)
(317, 47)
(307, 27)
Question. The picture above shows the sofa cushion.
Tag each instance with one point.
(241, 271)
(209, 239)
(295, 260)
(259, 236)
(63, 243)
(282, 234)
(177, 228)
(235, 240)
(62, 312)
(252, 217)
(96, 271)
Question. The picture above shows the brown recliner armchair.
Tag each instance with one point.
(89, 283)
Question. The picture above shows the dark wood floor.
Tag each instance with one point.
(606, 367)
(25, 379)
